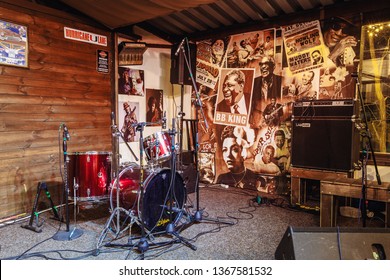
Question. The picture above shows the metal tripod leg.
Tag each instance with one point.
(112, 227)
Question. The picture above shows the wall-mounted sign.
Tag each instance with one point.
(13, 44)
(84, 36)
(102, 61)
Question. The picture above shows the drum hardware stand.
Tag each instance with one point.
(115, 174)
(34, 213)
(170, 229)
(198, 104)
(366, 139)
(143, 244)
(75, 233)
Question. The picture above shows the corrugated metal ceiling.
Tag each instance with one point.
(171, 20)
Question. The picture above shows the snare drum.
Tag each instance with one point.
(89, 173)
(156, 201)
(157, 147)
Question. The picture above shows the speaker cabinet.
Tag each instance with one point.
(326, 144)
(189, 177)
(179, 70)
(334, 244)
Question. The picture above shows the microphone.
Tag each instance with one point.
(180, 46)
(164, 121)
(66, 133)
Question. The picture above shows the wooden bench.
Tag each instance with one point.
(351, 188)
(299, 175)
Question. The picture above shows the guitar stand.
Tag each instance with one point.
(34, 213)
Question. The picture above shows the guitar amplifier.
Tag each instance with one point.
(335, 108)
(325, 135)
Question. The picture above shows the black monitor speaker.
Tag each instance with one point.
(180, 73)
(334, 244)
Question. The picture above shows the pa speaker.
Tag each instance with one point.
(190, 178)
(180, 73)
(326, 144)
(334, 244)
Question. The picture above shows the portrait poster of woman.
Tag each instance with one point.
(131, 81)
(154, 106)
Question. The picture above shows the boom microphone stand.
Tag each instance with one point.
(170, 228)
(75, 233)
(366, 139)
(198, 103)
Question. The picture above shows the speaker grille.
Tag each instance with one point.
(334, 244)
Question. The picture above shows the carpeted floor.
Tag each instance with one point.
(232, 226)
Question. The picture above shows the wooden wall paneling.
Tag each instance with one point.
(61, 85)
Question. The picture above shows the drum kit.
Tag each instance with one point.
(148, 195)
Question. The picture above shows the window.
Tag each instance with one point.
(374, 75)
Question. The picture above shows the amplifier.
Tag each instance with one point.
(325, 144)
(336, 108)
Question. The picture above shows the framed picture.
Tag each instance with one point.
(13, 44)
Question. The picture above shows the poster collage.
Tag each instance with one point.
(132, 83)
(247, 86)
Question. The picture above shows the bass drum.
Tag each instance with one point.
(156, 201)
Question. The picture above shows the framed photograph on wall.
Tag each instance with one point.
(128, 116)
(13, 44)
(154, 106)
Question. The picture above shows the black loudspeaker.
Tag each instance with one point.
(334, 244)
(324, 135)
(189, 177)
(179, 70)
(326, 144)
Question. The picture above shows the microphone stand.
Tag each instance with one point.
(198, 103)
(366, 138)
(75, 233)
(143, 244)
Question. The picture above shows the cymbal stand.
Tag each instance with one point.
(143, 244)
(116, 133)
(198, 216)
(366, 137)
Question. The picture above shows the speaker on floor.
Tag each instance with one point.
(180, 73)
(334, 244)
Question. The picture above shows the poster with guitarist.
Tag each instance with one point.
(273, 113)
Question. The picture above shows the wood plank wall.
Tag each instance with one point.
(61, 86)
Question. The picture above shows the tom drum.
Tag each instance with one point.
(157, 147)
(89, 173)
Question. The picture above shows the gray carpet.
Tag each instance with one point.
(247, 231)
